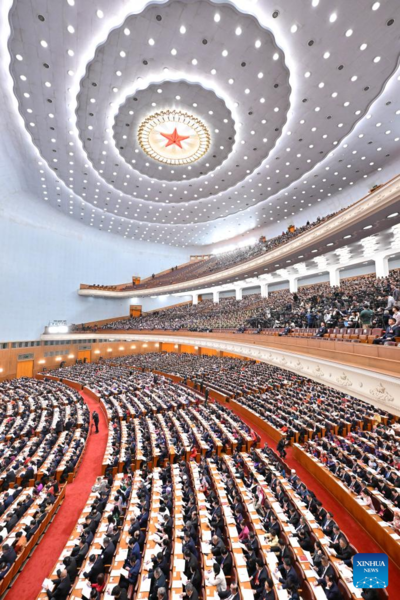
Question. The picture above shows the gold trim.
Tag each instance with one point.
(175, 116)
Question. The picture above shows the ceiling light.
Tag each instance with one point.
(213, 71)
(71, 2)
(377, 59)
(224, 52)
(376, 5)
(173, 52)
(127, 31)
(393, 215)
(122, 54)
(100, 14)
(346, 237)
(363, 46)
(349, 32)
(44, 44)
(217, 17)
(354, 78)
(182, 29)
(275, 56)
(293, 28)
(327, 54)
(151, 42)
(238, 31)
(333, 18)
(231, 81)
(70, 29)
(258, 44)
(194, 61)
(367, 227)
(314, 3)
(70, 52)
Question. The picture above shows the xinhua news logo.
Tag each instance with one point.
(370, 571)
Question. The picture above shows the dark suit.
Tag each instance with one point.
(61, 590)
(333, 593)
(97, 568)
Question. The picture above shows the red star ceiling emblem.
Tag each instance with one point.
(174, 138)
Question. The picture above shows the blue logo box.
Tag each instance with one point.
(370, 570)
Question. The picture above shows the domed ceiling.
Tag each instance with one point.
(186, 123)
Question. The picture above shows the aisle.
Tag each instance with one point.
(40, 564)
(357, 536)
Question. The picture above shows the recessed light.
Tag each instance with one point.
(194, 61)
(238, 31)
(393, 215)
(44, 44)
(333, 17)
(122, 54)
(275, 56)
(349, 32)
(367, 227)
(70, 29)
(377, 59)
(100, 14)
(363, 46)
(182, 29)
(224, 52)
(70, 52)
(307, 74)
(151, 42)
(127, 31)
(327, 55)
(19, 57)
(376, 5)
(314, 3)
(258, 44)
(217, 17)
(173, 52)
(293, 29)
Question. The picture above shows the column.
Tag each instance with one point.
(293, 284)
(239, 293)
(381, 265)
(334, 277)
(216, 297)
(195, 298)
(264, 290)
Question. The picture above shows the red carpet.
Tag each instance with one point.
(29, 582)
(355, 533)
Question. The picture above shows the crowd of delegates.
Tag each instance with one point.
(43, 431)
(360, 302)
(368, 463)
(224, 260)
(293, 404)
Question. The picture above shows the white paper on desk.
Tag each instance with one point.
(178, 548)
(247, 594)
(80, 584)
(233, 532)
(48, 585)
(236, 545)
(179, 564)
(124, 572)
(283, 595)
(240, 560)
(310, 573)
(205, 548)
(209, 562)
(243, 575)
(145, 585)
(122, 555)
(319, 593)
(176, 596)
(370, 511)
(272, 559)
(177, 583)
(115, 573)
(95, 551)
(315, 526)
(86, 590)
(395, 536)
(294, 542)
(383, 523)
(206, 535)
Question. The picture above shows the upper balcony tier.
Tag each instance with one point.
(370, 213)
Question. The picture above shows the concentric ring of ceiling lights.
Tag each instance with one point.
(71, 96)
(174, 137)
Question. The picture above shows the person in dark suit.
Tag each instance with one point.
(268, 591)
(325, 569)
(231, 593)
(108, 551)
(258, 579)
(226, 562)
(95, 418)
(331, 589)
(95, 567)
(191, 562)
(392, 331)
(158, 581)
(190, 592)
(71, 566)
(62, 587)
(195, 578)
(119, 593)
(287, 572)
(321, 331)
(344, 552)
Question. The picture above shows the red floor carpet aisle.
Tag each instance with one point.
(356, 534)
(29, 582)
